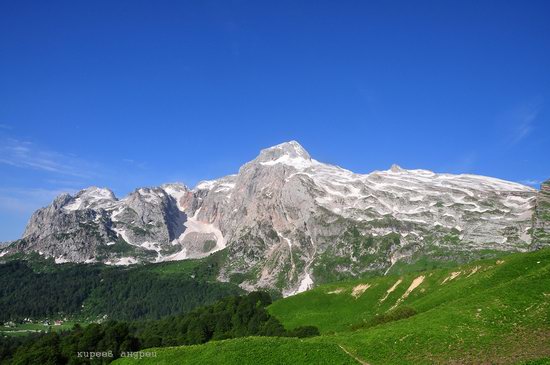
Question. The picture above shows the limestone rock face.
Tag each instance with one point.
(541, 217)
(94, 225)
(287, 221)
(290, 219)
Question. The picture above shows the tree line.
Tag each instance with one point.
(231, 317)
(96, 290)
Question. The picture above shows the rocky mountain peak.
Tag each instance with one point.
(61, 200)
(87, 198)
(396, 168)
(287, 150)
(175, 187)
(96, 192)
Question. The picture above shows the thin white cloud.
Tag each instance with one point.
(139, 164)
(66, 183)
(5, 126)
(522, 121)
(465, 163)
(27, 155)
(25, 201)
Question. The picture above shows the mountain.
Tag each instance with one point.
(94, 225)
(287, 221)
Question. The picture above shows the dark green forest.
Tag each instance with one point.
(231, 317)
(27, 293)
(39, 289)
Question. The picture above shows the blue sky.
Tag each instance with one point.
(137, 93)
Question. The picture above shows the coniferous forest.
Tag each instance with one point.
(231, 317)
(38, 289)
(125, 309)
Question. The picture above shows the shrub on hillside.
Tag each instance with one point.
(391, 316)
(304, 331)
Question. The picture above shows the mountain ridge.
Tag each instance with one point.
(288, 221)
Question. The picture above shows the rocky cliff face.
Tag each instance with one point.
(95, 226)
(541, 217)
(288, 221)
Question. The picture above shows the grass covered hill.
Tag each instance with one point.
(249, 351)
(488, 312)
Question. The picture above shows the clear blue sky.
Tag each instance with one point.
(137, 93)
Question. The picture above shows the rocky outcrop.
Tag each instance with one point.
(541, 217)
(288, 221)
(69, 235)
(94, 225)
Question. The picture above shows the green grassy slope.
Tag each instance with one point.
(318, 307)
(249, 351)
(492, 311)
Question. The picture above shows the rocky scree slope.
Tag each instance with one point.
(288, 221)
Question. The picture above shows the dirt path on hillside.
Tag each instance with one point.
(352, 355)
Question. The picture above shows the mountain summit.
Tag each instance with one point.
(396, 168)
(289, 222)
(291, 149)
